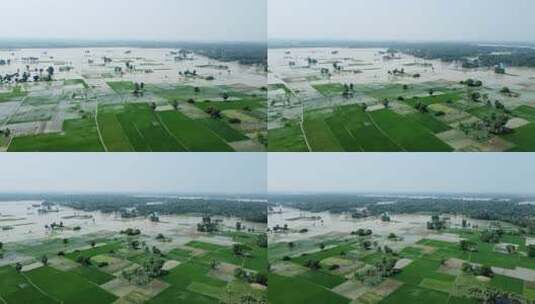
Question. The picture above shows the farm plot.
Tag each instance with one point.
(79, 135)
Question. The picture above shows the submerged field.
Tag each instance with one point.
(398, 261)
(174, 267)
(336, 99)
(126, 100)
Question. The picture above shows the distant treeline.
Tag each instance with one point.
(243, 52)
(487, 55)
(217, 206)
(495, 209)
(471, 54)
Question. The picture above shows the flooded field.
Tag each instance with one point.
(394, 258)
(129, 99)
(23, 222)
(127, 260)
(435, 102)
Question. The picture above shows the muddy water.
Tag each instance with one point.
(412, 227)
(374, 69)
(160, 61)
(28, 224)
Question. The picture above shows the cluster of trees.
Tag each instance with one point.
(482, 270)
(207, 225)
(362, 232)
(486, 56)
(244, 53)
(35, 75)
(491, 235)
(467, 245)
(139, 89)
(436, 223)
(498, 208)
(251, 277)
(141, 276)
(473, 83)
(253, 210)
(375, 275)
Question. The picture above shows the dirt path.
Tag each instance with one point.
(98, 130)
(383, 132)
(39, 289)
(302, 125)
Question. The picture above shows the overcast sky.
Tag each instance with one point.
(471, 20)
(191, 20)
(396, 172)
(129, 172)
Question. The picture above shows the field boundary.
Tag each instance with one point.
(39, 289)
(166, 128)
(384, 133)
(98, 131)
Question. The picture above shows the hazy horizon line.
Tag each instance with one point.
(324, 192)
(386, 40)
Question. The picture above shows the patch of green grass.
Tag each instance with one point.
(522, 138)
(205, 246)
(145, 131)
(14, 288)
(285, 290)
(223, 130)
(430, 122)
(444, 286)
(507, 284)
(407, 133)
(421, 269)
(192, 134)
(323, 254)
(287, 139)
(411, 252)
(178, 254)
(249, 103)
(322, 278)
(121, 87)
(320, 137)
(428, 100)
(69, 287)
(91, 273)
(16, 93)
(484, 112)
(415, 295)
(462, 300)
(181, 278)
(329, 89)
(79, 135)
(91, 252)
(526, 112)
(206, 290)
(113, 134)
(354, 130)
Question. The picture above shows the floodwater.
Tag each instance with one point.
(367, 66)
(153, 65)
(412, 227)
(374, 69)
(28, 224)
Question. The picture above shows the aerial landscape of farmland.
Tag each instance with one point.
(78, 81)
(189, 246)
(407, 97)
(358, 246)
(351, 83)
(129, 99)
